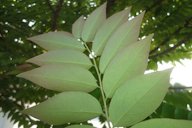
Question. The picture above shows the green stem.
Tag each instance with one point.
(101, 87)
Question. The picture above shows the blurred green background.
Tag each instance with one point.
(169, 20)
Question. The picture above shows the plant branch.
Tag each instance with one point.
(100, 85)
(179, 88)
(177, 31)
(102, 92)
(55, 12)
(50, 6)
(110, 4)
(156, 3)
(170, 49)
(168, 38)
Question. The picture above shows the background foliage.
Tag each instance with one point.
(169, 20)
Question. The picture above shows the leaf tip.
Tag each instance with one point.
(33, 60)
(169, 71)
(149, 38)
(151, 35)
(29, 111)
(140, 16)
(25, 111)
(30, 38)
(126, 12)
(21, 75)
(143, 12)
(33, 38)
(128, 9)
(104, 5)
(29, 60)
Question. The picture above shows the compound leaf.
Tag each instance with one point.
(77, 27)
(128, 63)
(66, 107)
(105, 31)
(57, 40)
(126, 34)
(138, 98)
(93, 22)
(164, 123)
(62, 78)
(63, 56)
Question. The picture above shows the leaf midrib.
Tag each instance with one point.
(90, 84)
(65, 62)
